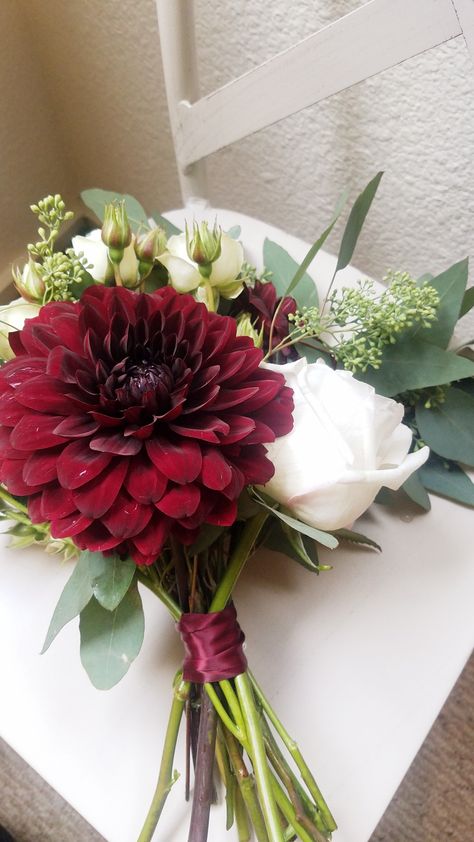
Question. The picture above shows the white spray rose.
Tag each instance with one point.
(184, 273)
(12, 317)
(96, 254)
(347, 442)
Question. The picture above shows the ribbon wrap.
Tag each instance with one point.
(213, 646)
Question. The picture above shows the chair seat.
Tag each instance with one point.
(357, 661)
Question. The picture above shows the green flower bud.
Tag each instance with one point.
(245, 327)
(148, 247)
(204, 247)
(29, 283)
(116, 231)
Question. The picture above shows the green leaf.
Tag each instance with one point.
(96, 199)
(415, 364)
(324, 538)
(355, 222)
(312, 354)
(208, 534)
(111, 640)
(450, 286)
(283, 539)
(234, 232)
(416, 491)
(164, 223)
(356, 538)
(284, 269)
(110, 578)
(447, 480)
(76, 594)
(449, 428)
(467, 302)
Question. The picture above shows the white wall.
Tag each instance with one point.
(100, 64)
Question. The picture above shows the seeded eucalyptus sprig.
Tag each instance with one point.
(24, 533)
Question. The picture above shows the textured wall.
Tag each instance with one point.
(101, 64)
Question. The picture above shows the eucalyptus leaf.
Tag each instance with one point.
(96, 199)
(450, 286)
(110, 578)
(356, 538)
(305, 349)
(76, 594)
(415, 364)
(283, 269)
(467, 302)
(449, 428)
(234, 232)
(290, 543)
(355, 222)
(447, 480)
(164, 223)
(324, 538)
(111, 640)
(416, 491)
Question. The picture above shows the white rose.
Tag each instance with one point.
(12, 317)
(96, 254)
(184, 273)
(347, 442)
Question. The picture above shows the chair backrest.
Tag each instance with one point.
(378, 35)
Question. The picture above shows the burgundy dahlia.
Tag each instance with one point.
(261, 302)
(127, 418)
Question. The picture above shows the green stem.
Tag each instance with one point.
(263, 775)
(234, 706)
(237, 561)
(288, 811)
(224, 716)
(15, 504)
(166, 777)
(246, 786)
(223, 764)
(241, 818)
(293, 749)
(154, 586)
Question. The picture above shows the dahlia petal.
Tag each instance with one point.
(223, 513)
(41, 467)
(261, 434)
(180, 461)
(236, 485)
(57, 503)
(254, 464)
(78, 464)
(231, 363)
(117, 444)
(76, 427)
(96, 497)
(239, 427)
(6, 450)
(216, 472)
(204, 427)
(150, 541)
(14, 340)
(144, 482)
(44, 394)
(11, 475)
(266, 391)
(11, 412)
(180, 502)
(201, 398)
(96, 538)
(64, 364)
(232, 397)
(107, 420)
(66, 327)
(218, 339)
(15, 372)
(127, 517)
(35, 511)
(67, 527)
(184, 535)
(35, 432)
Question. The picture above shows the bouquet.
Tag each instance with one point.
(166, 409)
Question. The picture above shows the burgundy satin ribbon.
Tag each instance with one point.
(213, 646)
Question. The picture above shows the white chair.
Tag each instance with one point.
(387, 635)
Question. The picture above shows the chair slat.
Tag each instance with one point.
(379, 35)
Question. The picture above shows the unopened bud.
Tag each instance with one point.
(245, 327)
(204, 247)
(116, 231)
(147, 248)
(29, 283)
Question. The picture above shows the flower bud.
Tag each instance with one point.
(29, 283)
(148, 247)
(204, 247)
(116, 231)
(245, 327)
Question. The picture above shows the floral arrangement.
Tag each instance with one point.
(166, 409)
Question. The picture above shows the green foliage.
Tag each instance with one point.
(51, 212)
(449, 428)
(281, 538)
(355, 538)
(110, 577)
(111, 640)
(283, 269)
(164, 223)
(467, 302)
(414, 363)
(448, 480)
(355, 222)
(75, 596)
(97, 199)
(416, 491)
(324, 538)
(234, 232)
(450, 286)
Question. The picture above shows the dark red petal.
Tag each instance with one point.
(35, 510)
(236, 485)
(239, 427)
(6, 450)
(64, 364)
(41, 467)
(11, 474)
(180, 502)
(127, 517)
(254, 464)
(57, 503)
(96, 538)
(233, 397)
(150, 541)
(70, 525)
(78, 464)
(216, 472)
(204, 427)
(145, 483)
(96, 497)
(14, 340)
(44, 394)
(35, 432)
(11, 412)
(16, 372)
(224, 512)
(261, 435)
(180, 461)
(76, 427)
(265, 392)
(116, 443)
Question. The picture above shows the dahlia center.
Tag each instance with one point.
(145, 377)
